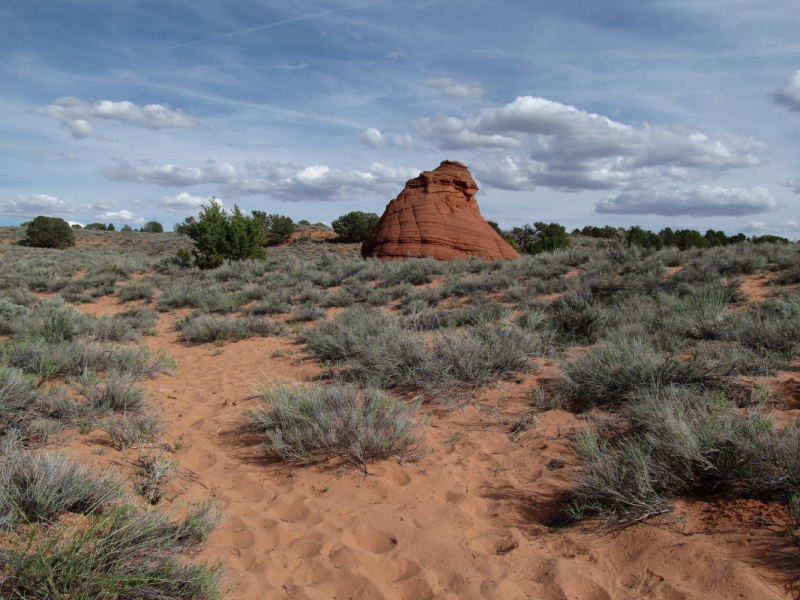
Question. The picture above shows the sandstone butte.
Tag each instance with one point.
(436, 216)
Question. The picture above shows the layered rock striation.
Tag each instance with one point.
(436, 216)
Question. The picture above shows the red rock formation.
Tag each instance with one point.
(436, 216)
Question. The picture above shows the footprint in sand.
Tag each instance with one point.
(295, 512)
(374, 540)
(304, 548)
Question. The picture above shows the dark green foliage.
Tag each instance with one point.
(607, 231)
(111, 227)
(219, 236)
(549, 237)
(183, 258)
(768, 239)
(153, 227)
(96, 226)
(76, 226)
(644, 238)
(126, 227)
(355, 226)
(276, 228)
(49, 232)
(508, 237)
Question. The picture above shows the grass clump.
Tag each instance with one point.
(684, 443)
(124, 552)
(378, 349)
(140, 290)
(41, 487)
(205, 328)
(615, 369)
(320, 422)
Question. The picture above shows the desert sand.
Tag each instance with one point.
(476, 516)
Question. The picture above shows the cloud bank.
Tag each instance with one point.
(534, 142)
(285, 181)
(77, 115)
(28, 206)
(703, 202)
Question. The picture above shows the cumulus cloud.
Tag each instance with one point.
(122, 216)
(403, 142)
(456, 89)
(285, 181)
(563, 147)
(703, 202)
(789, 93)
(184, 201)
(77, 115)
(372, 137)
(27, 206)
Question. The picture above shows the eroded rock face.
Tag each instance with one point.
(436, 216)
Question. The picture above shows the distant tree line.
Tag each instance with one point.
(682, 238)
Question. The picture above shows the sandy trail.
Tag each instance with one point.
(470, 519)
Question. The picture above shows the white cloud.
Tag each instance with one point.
(456, 89)
(285, 181)
(172, 175)
(563, 147)
(703, 202)
(789, 93)
(77, 115)
(32, 205)
(121, 216)
(404, 142)
(372, 137)
(184, 201)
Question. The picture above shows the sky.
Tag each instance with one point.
(679, 113)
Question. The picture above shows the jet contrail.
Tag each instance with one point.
(268, 26)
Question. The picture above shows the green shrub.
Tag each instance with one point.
(126, 227)
(153, 227)
(355, 226)
(320, 422)
(219, 237)
(49, 232)
(549, 237)
(96, 227)
(276, 228)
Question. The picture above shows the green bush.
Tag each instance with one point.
(505, 235)
(355, 226)
(219, 236)
(550, 237)
(126, 227)
(153, 227)
(96, 226)
(111, 227)
(276, 228)
(49, 232)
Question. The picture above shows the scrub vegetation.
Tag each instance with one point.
(660, 337)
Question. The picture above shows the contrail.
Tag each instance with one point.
(268, 26)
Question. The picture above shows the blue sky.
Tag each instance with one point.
(681, 113)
